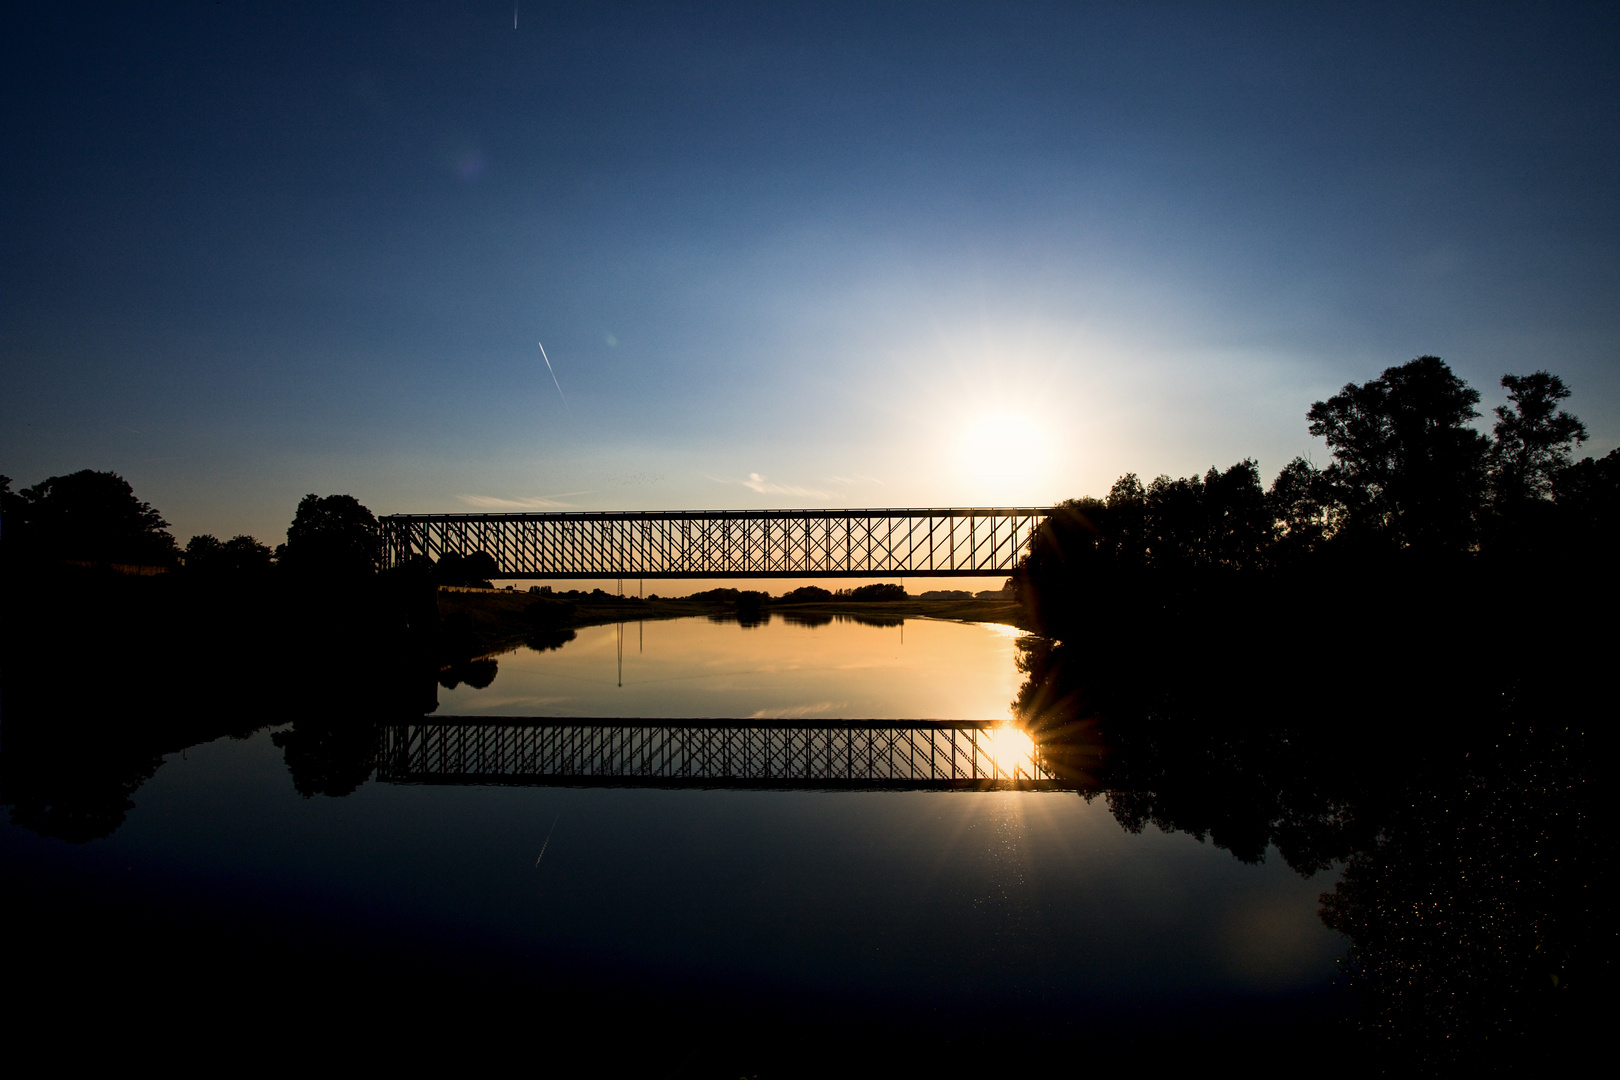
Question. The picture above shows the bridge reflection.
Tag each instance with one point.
(746, 753)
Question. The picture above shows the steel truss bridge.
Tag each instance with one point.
(723, 543)
(888, 754)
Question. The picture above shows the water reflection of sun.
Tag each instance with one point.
(1013, 750)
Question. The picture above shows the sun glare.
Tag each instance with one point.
(1013, 750)
(1004, 450)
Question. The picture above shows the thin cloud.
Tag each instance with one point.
(756, 482)
(539, 502)
(797, 710)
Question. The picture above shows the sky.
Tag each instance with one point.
(778, 255)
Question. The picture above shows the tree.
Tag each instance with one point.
(1218, 520)
(88, 517)
(1071, 565)
(1303, 508)
(472, 571)
(1534, 438)
(11, 506)
(245, 555)
(240, 556)
(331, 538)
(1407, 465)
(807, 594)
(1174, 521)
(1587, 502)
(1589, 490)
(1123, 518)
(1238, 524)
(884, 590)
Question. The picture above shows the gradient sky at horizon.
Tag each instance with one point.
(779, 255)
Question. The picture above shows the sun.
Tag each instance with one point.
(1013, 751)
(1004, 449)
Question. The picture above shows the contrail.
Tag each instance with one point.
(542, 854)
(514, 14)
(553, 371)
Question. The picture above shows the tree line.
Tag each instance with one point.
(94, 519)
(1413, 487)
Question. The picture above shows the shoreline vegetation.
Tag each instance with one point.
(1419, 518)
(1396, 665)
(489, 622)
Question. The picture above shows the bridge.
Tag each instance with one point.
(724, 543)
(840, 754)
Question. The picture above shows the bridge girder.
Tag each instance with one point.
(724, 543)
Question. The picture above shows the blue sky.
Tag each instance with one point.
(779, 255)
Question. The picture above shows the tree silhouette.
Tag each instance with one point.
(1589, 493)
(12, 508)
(87, 517)
(1304, 511)
(1146, 550)
(807, 594)
(1407, 468)
(1534, 438)
(240, 557)
(333, 538)
(472, 571)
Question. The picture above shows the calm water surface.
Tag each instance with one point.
(919, 898)
(923, 669)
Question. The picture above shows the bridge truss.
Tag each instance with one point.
(723, 543)
(906, 754)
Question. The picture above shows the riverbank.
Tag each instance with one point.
(492, 621)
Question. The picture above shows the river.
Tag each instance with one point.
(919, 902)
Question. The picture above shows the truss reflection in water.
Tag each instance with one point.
(914, 754)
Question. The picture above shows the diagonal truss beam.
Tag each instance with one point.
(910, 754)
(724, 543)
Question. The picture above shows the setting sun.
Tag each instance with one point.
(1013, 749)
(1004, 448)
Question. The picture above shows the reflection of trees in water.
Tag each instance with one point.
(806, 618)
(478, 674)
(1453, 779)
(328, 756)
(1473, 917)
(748, 620)
(164, 667)
(548, 640)
(69, 797)
(817, 618)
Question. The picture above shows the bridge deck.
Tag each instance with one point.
(724, 543)
(911, 754)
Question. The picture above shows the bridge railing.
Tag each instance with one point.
(724, 543)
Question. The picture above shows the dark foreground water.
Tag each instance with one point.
(698, 928)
